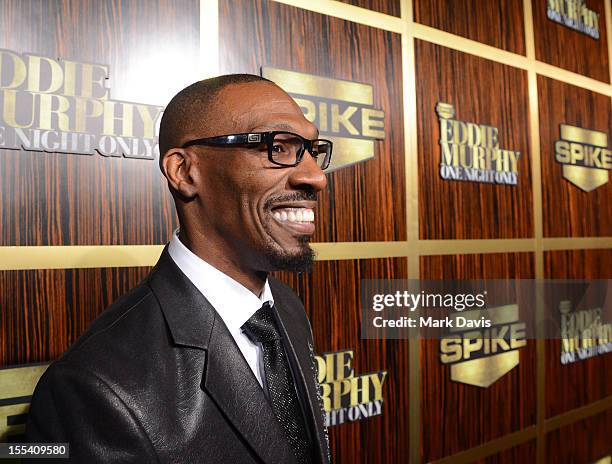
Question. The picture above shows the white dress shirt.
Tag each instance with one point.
(232, 301)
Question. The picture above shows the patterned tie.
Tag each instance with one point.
(261, 329)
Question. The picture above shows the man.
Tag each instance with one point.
(208, 360)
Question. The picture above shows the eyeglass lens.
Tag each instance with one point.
(287, 147)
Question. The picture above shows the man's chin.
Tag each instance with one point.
(299, 259)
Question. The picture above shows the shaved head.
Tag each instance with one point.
(192, 111)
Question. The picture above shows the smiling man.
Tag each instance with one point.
(208, 359)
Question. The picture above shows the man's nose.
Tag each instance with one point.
(307, 175)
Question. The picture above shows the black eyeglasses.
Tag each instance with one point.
(284, 148)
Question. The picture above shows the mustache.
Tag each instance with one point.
(296, 196)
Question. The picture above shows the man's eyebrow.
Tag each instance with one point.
(280, 126)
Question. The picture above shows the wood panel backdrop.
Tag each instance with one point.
(502, 63)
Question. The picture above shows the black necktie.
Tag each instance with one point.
(261, 329)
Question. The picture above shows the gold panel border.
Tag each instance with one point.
(491, 447)
(462, 44)
(536, 191)
(350, 13)
(470, 247)
(580, 243)
(411, 166)
(578, 414)
(99, 256)
(571, 78)
(14, 258)
(359, 250)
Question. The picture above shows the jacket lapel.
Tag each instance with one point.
(227, 377)
(302, 352)
(245, 406)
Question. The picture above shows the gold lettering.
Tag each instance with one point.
(326, 391)
(86, 109)
(343, 119)
(321, 369)
(360, 390)
(562, 153)
(372, 119)
(9, 112)
(472, 343)
(517, 335)
(323, 117)
(340, 388)
(47, 110)
(126, 118)
(451, 350)
(19, 69)
(576, 153)
(344, 359)
(148, 120)
(377, 380)
(35, 72)
(446, 131)
(473, 134)
(92, 81)
(70, 78)
(329, 363)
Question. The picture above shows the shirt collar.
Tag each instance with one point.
(232, 301)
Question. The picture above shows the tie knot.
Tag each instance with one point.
(261, 327)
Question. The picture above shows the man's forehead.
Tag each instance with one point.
(264, 106)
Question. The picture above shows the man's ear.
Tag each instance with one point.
(180, 168)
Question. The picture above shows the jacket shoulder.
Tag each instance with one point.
(124, 326)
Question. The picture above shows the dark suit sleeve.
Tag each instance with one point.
(72, 405)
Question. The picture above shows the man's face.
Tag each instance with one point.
(264, 214)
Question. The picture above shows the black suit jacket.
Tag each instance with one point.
(159, 378)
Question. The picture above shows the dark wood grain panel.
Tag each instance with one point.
(499, 23)
(45, 311)
(569, 49)
(568, 211)
(366, 201)
(486, 93)
(60, 199)
(456, 416)
(53, 199)
(390, 7)
(331, 295)
(584, 442)
(577, 384)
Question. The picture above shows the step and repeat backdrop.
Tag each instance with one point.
(471, 142)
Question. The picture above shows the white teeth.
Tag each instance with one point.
(294, 215)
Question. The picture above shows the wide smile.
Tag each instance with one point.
(297, 219)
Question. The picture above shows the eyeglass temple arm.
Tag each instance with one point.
(237, 139)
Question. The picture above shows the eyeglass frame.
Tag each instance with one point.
(248, 138)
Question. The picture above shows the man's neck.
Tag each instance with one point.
(222, 260)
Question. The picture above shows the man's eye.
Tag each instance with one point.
(278, 148)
